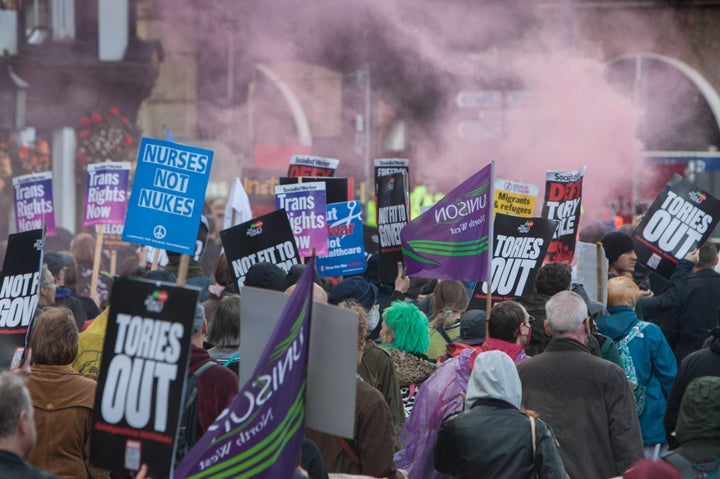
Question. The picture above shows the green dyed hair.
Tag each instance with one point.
(410, 327)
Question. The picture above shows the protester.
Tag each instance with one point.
(450, 300)
(585, 400)
(705, 362)
(17, 430)
(224, 284)
(493, 438)
(319, 294)
(224, 333)
(358, 289)
(376, 369)
(62, 399)
(472, 334)
(217, 386)
(370, 450)
(648, 361)
(509, 328)
(405, 335)
(698, 430)
(620, 253)
(266, 275)
(690, 325)
(58, 263)
(47, 288)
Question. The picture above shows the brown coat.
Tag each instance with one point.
(63, 404)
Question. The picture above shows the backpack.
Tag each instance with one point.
(639, 390)
(688, 470)
(187, 435)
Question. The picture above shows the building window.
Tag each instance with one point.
(44, 18)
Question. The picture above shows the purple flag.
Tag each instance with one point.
(452, 239)
(34, 205)
(260, 434)
(106, 193)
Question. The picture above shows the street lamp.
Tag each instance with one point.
(13, 98)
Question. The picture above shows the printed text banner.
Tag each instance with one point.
(346, 241)
(34, 203)
(265, 238)
(142, 376)
(301, 165)
(260, 433)
(681, 218)
(167, 195)
(563, 197)
(453, 239)
(305, 205)
(513, 198)
(106, 193)
(519, 250)
(19, 289)
(393, 214)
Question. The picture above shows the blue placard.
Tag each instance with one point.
(346, 240)
(167, 195)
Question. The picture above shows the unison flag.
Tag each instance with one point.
(260, 434)
(452, 239)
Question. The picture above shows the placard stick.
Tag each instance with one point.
(600, 256)
(488, 307)
(156, 258)
(96, 264)
(183, 269)
(113, 262)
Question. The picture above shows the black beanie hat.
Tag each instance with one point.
(616, 243)
(357, 288)
(266, 275)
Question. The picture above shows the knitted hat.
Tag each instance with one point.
(648, 469)
(472, 327)
(56, 261)
(357, 288)
(199, 318)
(266, 275)
(615, 244)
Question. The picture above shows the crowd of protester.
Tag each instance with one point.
(553, 385)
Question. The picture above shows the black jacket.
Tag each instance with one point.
(688, 327)
(670, 298)
(589, 406)
(492, 440)
(705, 362)
(12, 467)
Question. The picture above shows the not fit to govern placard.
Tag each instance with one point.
(167, 195)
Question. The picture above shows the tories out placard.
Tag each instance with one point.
(346, 241)
(519, 251)
(302, 165)
(681, 218)
(19, 289)
(563, 196)
(453, 239)
(513, 198)
(106, 193)
(305, 205)
(142, 376)
(167, 195)
(265, 238)
(34, 205)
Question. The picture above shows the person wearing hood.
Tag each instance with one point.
(493, 438)
(705, 362)
(648, 360)
(698, 430)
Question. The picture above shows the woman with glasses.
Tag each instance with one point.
(509, 330)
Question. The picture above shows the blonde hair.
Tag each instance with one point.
(622, 291)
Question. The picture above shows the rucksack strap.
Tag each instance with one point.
(198, 372)
(444, 334)
(689, 470)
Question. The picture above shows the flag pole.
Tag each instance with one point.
(491, 199)
(96, 264)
